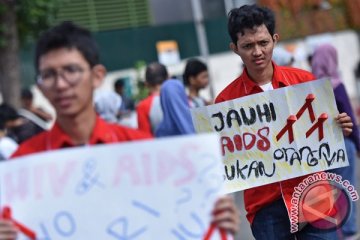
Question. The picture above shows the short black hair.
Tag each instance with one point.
(119, 83)
(156, 73)
(68, 35)
(248, 17)
(8, 113)
(192, 69)
(26, 94)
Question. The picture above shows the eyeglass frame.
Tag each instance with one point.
(57, 73)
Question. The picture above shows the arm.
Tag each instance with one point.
(42, 114)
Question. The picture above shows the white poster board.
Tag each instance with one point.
(157, 189)
(276, 135)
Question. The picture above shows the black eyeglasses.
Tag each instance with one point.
(71, 74)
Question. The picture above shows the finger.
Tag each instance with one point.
(347, 131)
(224, 201)
(8, 236)
(8, 230)
(229, 227)
(347, 125)
(341, 115)
(227, 221)
(346, 119)
(226, 216)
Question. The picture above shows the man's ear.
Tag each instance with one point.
(233, 48)
(191, 80)
(276, 37)
(99, 73)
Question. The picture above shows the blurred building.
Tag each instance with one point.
(127, 30)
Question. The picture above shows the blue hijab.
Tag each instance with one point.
(174, 103)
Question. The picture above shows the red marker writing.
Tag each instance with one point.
(318, 125)
(288, 128)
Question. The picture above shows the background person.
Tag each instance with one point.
(7, 145)
(324, 63)
(196, 78)
(18, 127)
(107, 105)
(177, 121)
(27, 98)
(282, 57)
(149, 113)
(127, 104)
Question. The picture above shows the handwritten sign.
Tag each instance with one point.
(276, 135)
(160, 189)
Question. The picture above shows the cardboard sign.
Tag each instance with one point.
(276, 135)
(159, 189)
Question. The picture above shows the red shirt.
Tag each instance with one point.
(149, 113)
(258, 197)
(56, 138)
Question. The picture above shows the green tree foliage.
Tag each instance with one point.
(33, 16)
(20, 21)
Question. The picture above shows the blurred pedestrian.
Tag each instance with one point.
(27, 98)
(196, 78)
(324, 64)
(7, 145)
(176, 112)
(127, 104)
(107, 105)
(282, 57)
(149, 111)
(177, 121)
(18, 127)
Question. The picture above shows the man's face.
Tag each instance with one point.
(255, 48)
(73, 81)
(200, 81)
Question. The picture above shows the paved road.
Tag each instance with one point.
(245, 232)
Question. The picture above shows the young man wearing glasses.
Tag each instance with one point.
(68, 67)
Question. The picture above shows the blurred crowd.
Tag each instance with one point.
(18, 125)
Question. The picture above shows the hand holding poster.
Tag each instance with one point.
(163, 189)
(276, 135)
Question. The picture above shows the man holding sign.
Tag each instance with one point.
(68, 67)
(252, 31)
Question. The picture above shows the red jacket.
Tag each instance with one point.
(258, 197)
(149, 113)
(56, 138)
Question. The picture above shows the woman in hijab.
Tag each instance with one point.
(107, 105)
(177, 117)
(324, 63)
(177, 121)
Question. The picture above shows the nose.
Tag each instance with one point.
(60, 81)
(257, 51)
